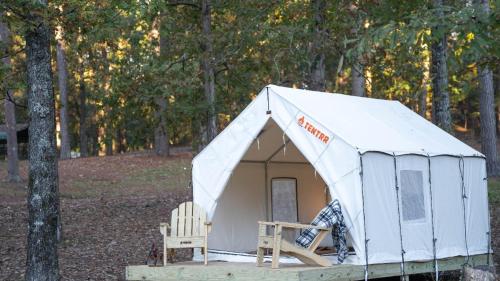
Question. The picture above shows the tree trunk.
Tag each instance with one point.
(487, 109)
(84, 143)
(440, 96)
(161, 144)
(92, 129)
(317, 71)
(488, 124)
(497, 107)
(358, 79)
(122, 142)
(43, 194)
(208, 70)
(423, 102)
(357, 68)
(62, 78)
(108, 117)
(161, 133)
(425, 83)
(10, 116)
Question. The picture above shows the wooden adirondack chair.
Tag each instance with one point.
(188, 229)
(280, 245)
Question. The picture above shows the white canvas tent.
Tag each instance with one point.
(409, 191)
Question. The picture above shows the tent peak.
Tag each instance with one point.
(281, 89)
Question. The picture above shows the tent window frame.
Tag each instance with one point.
(408, 192)
(296, 195)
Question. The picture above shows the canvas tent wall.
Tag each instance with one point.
(409, 190)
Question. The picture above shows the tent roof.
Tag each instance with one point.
(373, 124)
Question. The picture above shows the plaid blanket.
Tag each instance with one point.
(329, 216)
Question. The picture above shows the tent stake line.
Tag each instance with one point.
(364, 213)
(434, 240)
(403, 273)
(461, 166)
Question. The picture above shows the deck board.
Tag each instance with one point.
(219, 271)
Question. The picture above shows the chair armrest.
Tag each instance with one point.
(293, 225)
(267, 223)
(208, 225)
(163, 228)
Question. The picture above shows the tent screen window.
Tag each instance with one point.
(412, 195)
(284, 199)
(284, 204)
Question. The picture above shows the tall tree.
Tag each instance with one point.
(43, 196)
(108, 115)
(487, 106)
(62, 78)
(317, 71)
(161, 131)
(441, 114)
(207, 65)
(84, 142)
(161, 144)
(357, 79)
(357, 67)
(10, 112)
(425, 84)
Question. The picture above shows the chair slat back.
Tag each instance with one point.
(196, 222)
(188, 220)
(175, 219)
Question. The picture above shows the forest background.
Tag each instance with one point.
(150, 74)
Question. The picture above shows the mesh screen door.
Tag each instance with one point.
(412, 195)
(284, 202)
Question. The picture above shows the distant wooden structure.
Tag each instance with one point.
(222, 271)
(22, 140)
(275, 242)
(188, 229)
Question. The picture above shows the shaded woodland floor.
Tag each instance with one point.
(111, 209)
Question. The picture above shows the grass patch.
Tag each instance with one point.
(494, 190)
(173, 174)
(137, 181)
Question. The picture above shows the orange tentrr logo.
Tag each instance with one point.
(313, 130)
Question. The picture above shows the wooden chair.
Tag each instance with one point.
(279, 245)
(188, 229)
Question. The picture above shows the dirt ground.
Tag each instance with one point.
(111, 210)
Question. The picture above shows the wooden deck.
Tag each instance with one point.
(250, 272)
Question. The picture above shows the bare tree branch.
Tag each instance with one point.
(7, 55)
(181, 3)
(9, 98)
